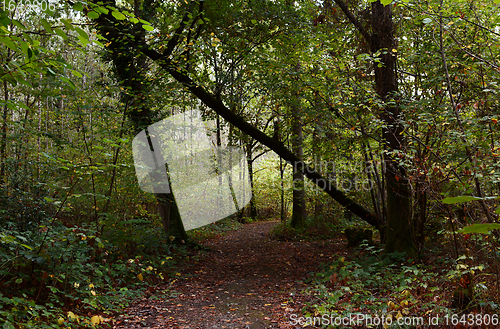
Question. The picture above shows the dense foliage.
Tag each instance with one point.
(78, 80)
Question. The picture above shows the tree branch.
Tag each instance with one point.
(172, 43)
(238, 121)
(354, 20)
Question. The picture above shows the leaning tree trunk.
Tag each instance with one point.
(400, 233)
(182, 76)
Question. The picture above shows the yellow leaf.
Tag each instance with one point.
(71, 315)
(140, 277)
(93, 292)
(399, 315)
(91, 286)
(405, 293)
(60, 321)
(95, 319)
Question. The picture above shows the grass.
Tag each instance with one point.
(214, 230)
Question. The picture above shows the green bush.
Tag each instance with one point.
(49, 272)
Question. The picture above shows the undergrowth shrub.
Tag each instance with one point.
(314, 229)
(388, 286)
(213, 230)
(57, 274)
(23, 204)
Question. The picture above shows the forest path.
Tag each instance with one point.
(246, 280)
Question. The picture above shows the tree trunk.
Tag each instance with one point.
(400, 235)
(282, 191)
(252, 205)
(3, 140)
(171, 218)
(130, 68)
(299, 193)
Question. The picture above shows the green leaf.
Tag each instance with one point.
(67, 23)
(8, 325)
(480, 228)
(61, 33)
(83, 41)
(18, 24)
(119, 16)
(385, 2)
(19, 280)
(82, 33)
(68, 81)
(134, 20)
(4, 19)
(76, 73)
(497, 211)
(466, 198)
(8, 42)
(147, 27)
(46, 26)
(93, 14)
(98, 43)
(102, 10)
(78, 6)
(427, 20)
(460, 199)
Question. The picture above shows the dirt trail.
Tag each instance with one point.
(246, 280)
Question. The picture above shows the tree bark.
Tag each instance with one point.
(400, 235)
(250, 160)
(130, 68)
(3, 140)
(299, 212)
